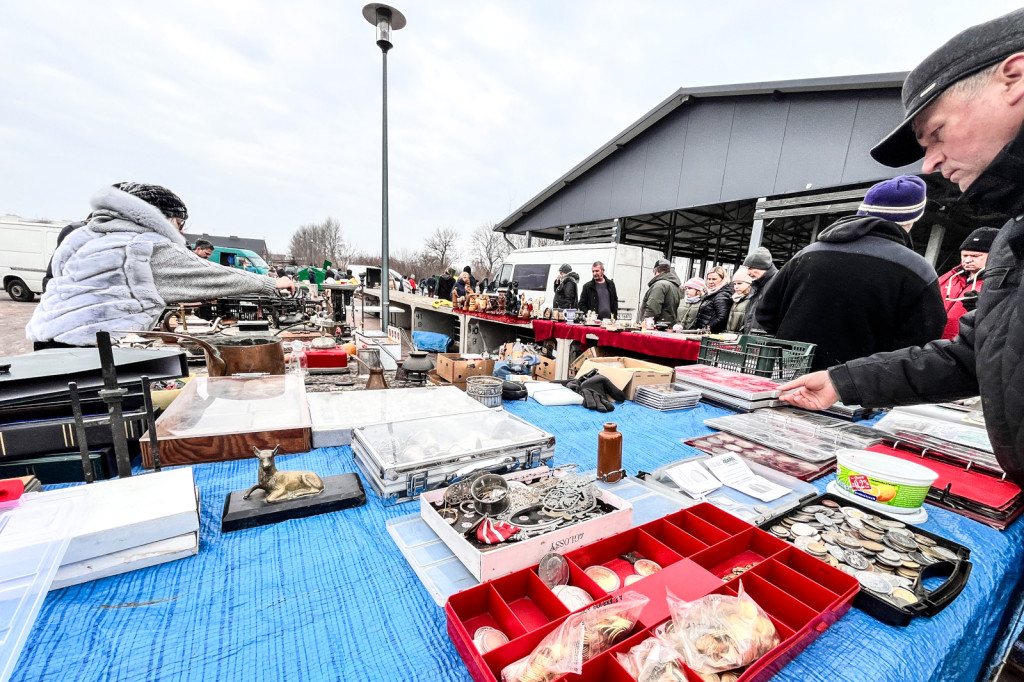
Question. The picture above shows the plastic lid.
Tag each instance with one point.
(34, 536)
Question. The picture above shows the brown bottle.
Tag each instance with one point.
(609, 451)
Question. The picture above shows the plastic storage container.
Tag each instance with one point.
(34, 535)
(887, 483)
(403, 459)
(697, 548)
(762, 356)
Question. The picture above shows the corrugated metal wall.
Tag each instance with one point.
(713, 150)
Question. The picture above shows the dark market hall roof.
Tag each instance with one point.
(727, 143)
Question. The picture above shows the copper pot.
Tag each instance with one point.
(229, 355)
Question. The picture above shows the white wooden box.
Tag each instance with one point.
(514, 556)
(131, 559)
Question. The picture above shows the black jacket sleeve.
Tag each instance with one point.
(586, 293)
(769, 305)
(613, 298)
(940, 371)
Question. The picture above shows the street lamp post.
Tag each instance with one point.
(386, 19)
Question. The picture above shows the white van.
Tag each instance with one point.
(25, 250)
(535, 269)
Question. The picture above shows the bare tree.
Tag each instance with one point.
(488, 249)
(440, 250)
(317, 242)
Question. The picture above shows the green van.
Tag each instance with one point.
(243, 259)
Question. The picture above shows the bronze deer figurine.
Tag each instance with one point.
(279, 486)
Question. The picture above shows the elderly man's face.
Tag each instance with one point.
(755, 273)
(962, 135)
(973, 261)
(598, 272)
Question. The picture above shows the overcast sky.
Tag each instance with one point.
(263, 116)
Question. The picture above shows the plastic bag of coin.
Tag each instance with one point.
(579, 638)
(718, 632)
(652, 661)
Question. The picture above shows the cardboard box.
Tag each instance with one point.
(628, 373)
(545, 371)
(513, 556)
(435, 380)
(454, 370)
(593, 352)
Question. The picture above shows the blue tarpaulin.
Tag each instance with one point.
(431, 341)
(331, 597)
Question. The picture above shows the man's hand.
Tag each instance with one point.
(285, 283)
(811, 392)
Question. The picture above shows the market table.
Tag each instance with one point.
(657, 345)
(331, 597)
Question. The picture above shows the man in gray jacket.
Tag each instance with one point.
(119, 270)
(965, 110)
(662, 298)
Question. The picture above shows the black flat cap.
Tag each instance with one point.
(966, 53)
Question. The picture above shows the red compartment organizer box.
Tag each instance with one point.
(696, 548)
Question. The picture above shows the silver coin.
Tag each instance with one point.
(942, 553)
(838, 552)
(890, 523)
(802, 529)
(553, 569)
(898, 580)
(814, 509)
(853, 513)
(824, 519)
(924, 540)
(779, 531)
(855, 560)
(921, 558)
(873, 582)
(573, 597)
(854, 522)
(802, 541)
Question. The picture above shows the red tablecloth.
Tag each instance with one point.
(648, 344)
(507, 319)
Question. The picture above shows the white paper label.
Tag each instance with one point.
(693, 478)
(733, 472)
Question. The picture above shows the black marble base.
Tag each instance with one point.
(340, 492)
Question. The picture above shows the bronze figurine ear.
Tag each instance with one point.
(276, 449)
(256, 450)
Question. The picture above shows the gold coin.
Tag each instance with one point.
(905, 595)
(645, 567)
(604, 577)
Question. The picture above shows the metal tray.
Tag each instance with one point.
(402, 459)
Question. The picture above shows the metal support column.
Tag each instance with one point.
(931, 252)
(816, 228)
(756, 233)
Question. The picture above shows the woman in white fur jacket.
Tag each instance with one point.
(119, 270)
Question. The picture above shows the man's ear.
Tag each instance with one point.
(1010, 75)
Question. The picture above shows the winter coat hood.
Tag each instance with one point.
(670, 276)
(852, 228)
(571, 275)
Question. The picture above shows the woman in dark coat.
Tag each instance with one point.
(714, 310)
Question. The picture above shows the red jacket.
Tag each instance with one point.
(954, 285)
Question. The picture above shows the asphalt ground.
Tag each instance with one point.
(13, 318)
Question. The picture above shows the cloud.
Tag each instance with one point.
(265, 116)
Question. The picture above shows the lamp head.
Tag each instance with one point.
(386, 19)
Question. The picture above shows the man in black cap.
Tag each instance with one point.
(119, 270)
(762, 270)
(661, 301)
(961, 286)
(566, 296)
(965, 110)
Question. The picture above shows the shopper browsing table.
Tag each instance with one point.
(599, 294)
(117, 272)
(965, 107)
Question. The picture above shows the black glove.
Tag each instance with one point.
(596, 391)
(970, 300)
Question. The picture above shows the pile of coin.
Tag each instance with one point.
(883, 554)
(737, 571)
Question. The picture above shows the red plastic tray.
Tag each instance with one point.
(695, 547)
(317, 358)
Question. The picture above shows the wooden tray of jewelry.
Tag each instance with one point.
(547, 510)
